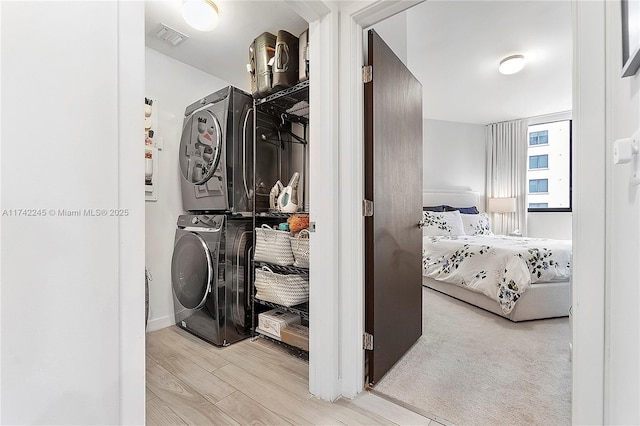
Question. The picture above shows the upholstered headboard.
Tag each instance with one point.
(452, 197)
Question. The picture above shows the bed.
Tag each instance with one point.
(517, 278)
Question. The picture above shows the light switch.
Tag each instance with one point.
(624, 149)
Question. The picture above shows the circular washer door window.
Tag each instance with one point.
(191, 271)
(200, 147)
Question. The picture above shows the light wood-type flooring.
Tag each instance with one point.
(248, 383)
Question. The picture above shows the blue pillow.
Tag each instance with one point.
(433, 209)
(463, 210)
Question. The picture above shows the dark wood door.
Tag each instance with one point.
(393, 181)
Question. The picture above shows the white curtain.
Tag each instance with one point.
(507, 173)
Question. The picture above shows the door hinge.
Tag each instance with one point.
(367, 73)
(367, 208)
(312, 227)
(367, 342)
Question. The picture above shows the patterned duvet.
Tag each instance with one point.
(499, 267)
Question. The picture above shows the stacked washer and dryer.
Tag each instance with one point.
(210, 268)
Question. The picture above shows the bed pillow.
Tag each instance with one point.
(448, 224)
(434, 208)
(476, 224)
(463, 210)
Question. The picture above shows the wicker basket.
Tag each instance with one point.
(286, 290)
(300, 249)
(273, 246)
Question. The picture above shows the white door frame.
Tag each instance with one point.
(589, 212)
(131, 63)
(337, 277)
(336, 175)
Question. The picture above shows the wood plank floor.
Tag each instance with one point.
(190, 382)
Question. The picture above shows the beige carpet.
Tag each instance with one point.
(472, 367)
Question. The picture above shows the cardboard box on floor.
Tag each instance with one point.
(296, 335)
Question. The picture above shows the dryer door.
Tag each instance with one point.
(192, 271)
(200, 147)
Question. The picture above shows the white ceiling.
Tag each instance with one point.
(224, 51)
(453, 47)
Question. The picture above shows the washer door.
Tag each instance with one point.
(191, 271)
(200, 147)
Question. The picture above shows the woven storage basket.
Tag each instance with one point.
(273, 246)
(300, 249)
(286, 290)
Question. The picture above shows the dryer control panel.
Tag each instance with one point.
(201, 222)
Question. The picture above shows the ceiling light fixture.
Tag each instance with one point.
(511, 64)
(200, 14)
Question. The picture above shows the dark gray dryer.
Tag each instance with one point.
(216, 146)
(217, 152)
(210, 277)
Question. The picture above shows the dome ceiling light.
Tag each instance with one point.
(200, 14)
(511, 64)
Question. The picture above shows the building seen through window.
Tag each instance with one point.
(538, 185)
(539, 137)
(539, 161)
(549, 166)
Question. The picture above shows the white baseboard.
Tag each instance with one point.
(160, 323)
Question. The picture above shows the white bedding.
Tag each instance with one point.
(500, 267)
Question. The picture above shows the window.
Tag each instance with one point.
(539, 185)
(539, 138)
(539, 161)
(549, 171)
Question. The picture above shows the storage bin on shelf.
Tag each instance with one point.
(274, 321)
(283, 289)
(273, 246)
(300, 249)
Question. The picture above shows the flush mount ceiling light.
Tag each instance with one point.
(200, 14)
(511, 64)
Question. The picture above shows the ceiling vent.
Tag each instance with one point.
(171, 36)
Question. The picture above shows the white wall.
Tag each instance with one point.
(622, 329)
(454, 156)
(393, 31)
(72, 338)
(555, 225)
(175, 86)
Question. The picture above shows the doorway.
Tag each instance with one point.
(473, 173)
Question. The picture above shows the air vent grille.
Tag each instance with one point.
(171, 36)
